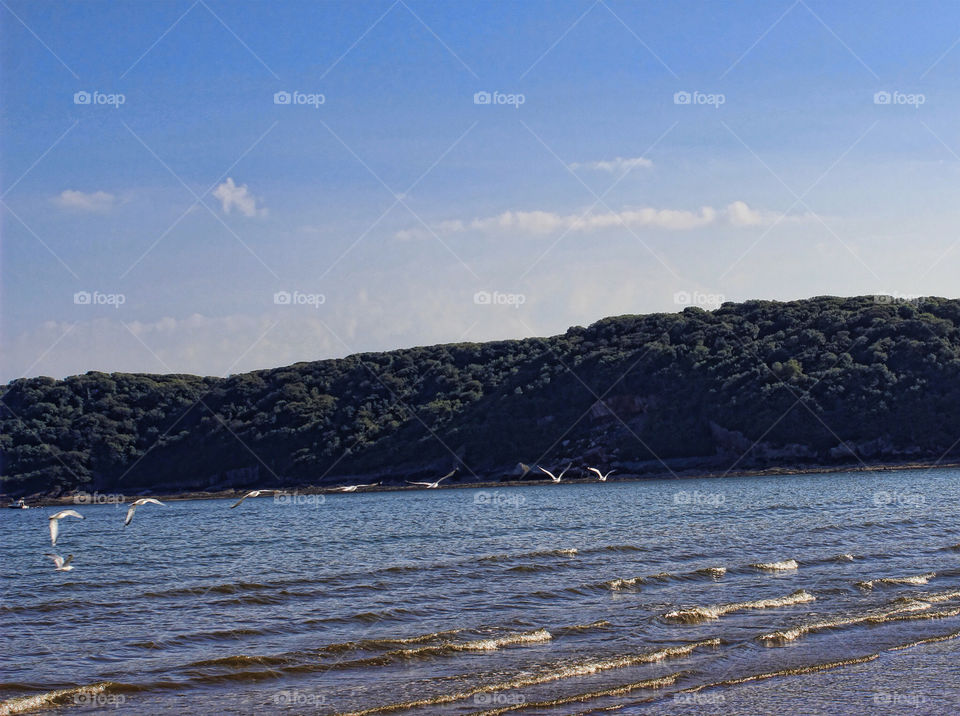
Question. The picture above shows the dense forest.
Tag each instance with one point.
(756, 384)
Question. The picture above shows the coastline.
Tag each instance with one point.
(332, 488)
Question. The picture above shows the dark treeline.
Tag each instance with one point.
(820, 381)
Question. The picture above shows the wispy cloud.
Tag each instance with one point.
(737, 214)
(236, 197)
(618, 164)
(95, 202)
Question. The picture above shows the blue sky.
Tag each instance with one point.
(386, 209)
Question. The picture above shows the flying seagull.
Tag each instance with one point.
(55, 523)
(434, 485)
(603, 478)
(63, 565)
(252, 493)
(353, 488)
(555, 478)
(136, 503)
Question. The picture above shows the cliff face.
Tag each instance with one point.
(754, 384)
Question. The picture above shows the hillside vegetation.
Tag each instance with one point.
(819, 381)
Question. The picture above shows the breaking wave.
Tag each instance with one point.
(695, 615)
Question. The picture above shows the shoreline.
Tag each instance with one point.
(117, 497)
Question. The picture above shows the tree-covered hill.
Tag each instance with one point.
(819, 381)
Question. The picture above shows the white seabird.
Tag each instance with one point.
(555, 478)
(603, 478)
(252, 493)
(63, 565)
(55, 523)
(434, 485)
(137, 503)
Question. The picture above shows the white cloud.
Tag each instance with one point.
(96, 202)
(736, 214)
(232, 196)
(614, 165)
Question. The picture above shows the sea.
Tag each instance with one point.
(833, 593)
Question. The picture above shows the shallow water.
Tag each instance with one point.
(656, 597)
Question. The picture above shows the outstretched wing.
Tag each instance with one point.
(130, 511)
(552, 476)
(425, 484)
(237, 503)
(65, 562)
(152, 500)
(57, 559)
(596, 471)
(54, 530)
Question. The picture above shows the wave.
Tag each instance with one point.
(929, 640)
(914, 579)
(627, 582)
(567, 552)
(181, 639)
(557, 674)
(657, 683)
(538, 636)
(531, 568)
(911, 610)
(695, 615)
(795, 671)
(618, 584)
(94, 694)
(784, 566)
(714, 572)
